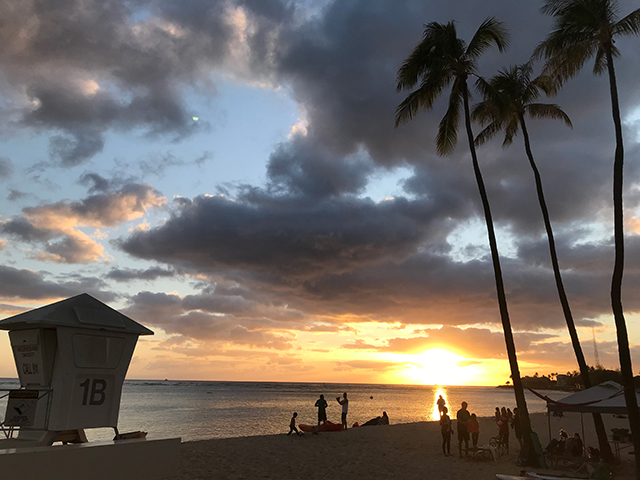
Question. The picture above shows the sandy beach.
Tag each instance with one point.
(407, 451)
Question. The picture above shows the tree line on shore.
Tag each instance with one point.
(572, 380)
(582, 30)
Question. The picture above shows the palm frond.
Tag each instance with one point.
(422, 98)
(425, 56)
(492, 31)
(447, 137)
(546, 110)
(554, 7)
(510, 131)
(629, 25)
(600, 62)
(488, 133)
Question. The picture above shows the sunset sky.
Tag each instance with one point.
(228, 174)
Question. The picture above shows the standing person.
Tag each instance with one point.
(473, 428)
(292, 425)
(515, 424)
(322, 405)
(345, 409)
(462, 418)
(441, 404)
(446, 430)
(503, 429)
(497, 415)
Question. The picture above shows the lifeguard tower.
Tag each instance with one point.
(72, 358)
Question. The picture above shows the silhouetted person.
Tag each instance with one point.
(384, 420)
(503, 428)
(446, 430)
(462, 418)
(292, 425)
(473, 428)
(517, 428)
(322, 405)
(345, 409)
(441, 404)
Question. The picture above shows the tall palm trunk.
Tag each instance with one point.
(601, 432)
(616, 281)
(529, 453)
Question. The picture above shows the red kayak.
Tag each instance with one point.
(323, 427)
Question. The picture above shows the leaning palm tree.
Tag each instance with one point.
(439, 60)
(509, 97)
(584, 29)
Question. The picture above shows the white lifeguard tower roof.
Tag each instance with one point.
(80, 311)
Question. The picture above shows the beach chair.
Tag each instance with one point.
(499, 446)
(484, 452)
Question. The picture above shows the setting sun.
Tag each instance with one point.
(442, 367)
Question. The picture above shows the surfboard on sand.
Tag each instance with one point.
(530, 476)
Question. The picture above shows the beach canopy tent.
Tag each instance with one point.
(608, 397)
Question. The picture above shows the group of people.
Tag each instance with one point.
(563, 445)
(321, 404)
(466, 423)
(468, 427)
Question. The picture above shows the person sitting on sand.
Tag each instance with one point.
(576, 447)
(462, 418)
(345, 409)
(383, 420)
(473, 428)
(446, 431)
(441, 404)
(322, 405)
(292, 425)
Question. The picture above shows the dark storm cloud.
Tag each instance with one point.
(15, 195)
(289, 237)
(25, 231)
(214, 318)
(127, 274)
(299, 168)
(304, 239)
(102, 68)
(6, 168)
(25, 285)
(96, 183)
(69, 152)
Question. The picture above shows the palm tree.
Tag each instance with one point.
(508, 98)
(584, 29)
(439, 60)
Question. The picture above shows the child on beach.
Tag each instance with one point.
(473, 428)
(446, 430)
(292, 425)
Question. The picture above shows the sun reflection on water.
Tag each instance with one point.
(435, 414)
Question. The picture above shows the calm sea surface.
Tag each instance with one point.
(201, 410)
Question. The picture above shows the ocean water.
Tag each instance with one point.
(202, 410)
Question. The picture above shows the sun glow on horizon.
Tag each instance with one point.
(441, 367)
